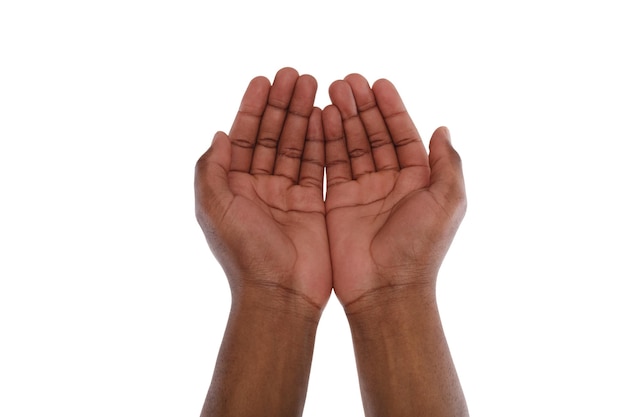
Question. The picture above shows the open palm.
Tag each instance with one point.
(392, 210)
(259, 191)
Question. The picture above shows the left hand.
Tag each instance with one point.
(392, 209)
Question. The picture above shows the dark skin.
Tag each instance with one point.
(259, 201)
(392, 211)
(390, 214)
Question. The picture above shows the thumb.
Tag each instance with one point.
(446, 178)
(212, 191)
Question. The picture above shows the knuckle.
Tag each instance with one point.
(337, 163)
(242, 143)
(358, 152)
(290, 152)
(267, 142)
(406, 140)
(379, 140)
(314, 161)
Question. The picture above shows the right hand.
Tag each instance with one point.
(259, 194)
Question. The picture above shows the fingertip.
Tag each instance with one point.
(308, 78)
(307, 85)
(442, 133)
(219, 151)
(328, 108)
(222, 142)
(385, 90)
(218, 134)
(331, 120)
(217, 137)
(316, 110)
(444, 159)
(332, 88)
(387, 97)
(341, 95)
(361, 91)
(255, 97)
(202, 162)
(260, 82)
(382, 83)
(354, 77)
(287, 72)
(287, 69)
(446, 133)
(316, 115)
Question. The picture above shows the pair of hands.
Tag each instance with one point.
(391, 209)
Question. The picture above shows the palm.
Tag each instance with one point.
(387, 226)
(259, 191)
(283, 230)
(375, 226)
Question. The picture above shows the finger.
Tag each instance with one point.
(211, 180)
(446, 178)
(383, 151)
(409, 146)
(338, 169)
(312, 167)
(357, 143)
(273, 119)
(244, 131)
(291, 142)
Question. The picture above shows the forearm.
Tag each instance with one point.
(265, 358)
(404, 364)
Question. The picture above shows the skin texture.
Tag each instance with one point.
(259, 191)
(392, 211)
(390, 214)
(259, 202)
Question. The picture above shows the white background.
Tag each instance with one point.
(110, 301)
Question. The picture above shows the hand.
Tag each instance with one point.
(391, 209)
(259, 192)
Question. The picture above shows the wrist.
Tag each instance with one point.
(396, 297)
(385, 311)
(269, 298)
